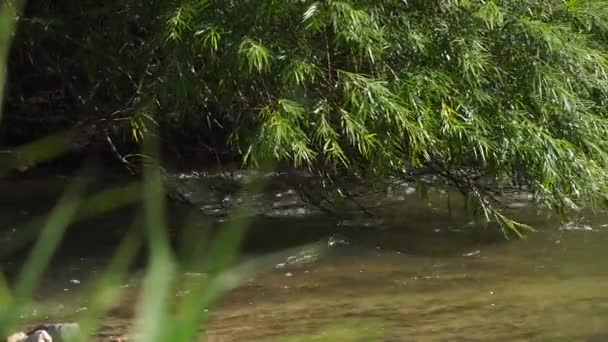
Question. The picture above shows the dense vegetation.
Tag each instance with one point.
(488, 94)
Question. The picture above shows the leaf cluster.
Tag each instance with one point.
(512, 91)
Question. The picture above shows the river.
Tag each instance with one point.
(416, 271)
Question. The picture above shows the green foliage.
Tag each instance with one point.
(255, 55)
(514, 90)
(509, 90)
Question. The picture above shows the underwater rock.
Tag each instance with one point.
(16, 337)
(56, 332)
(36, 336)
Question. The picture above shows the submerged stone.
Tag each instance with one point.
(57, 332)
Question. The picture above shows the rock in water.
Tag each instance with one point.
(336, 240)
(17, 337)
(58, 332)
(36, 336)
(39, 336)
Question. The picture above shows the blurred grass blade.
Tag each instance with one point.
(40, 256)
(49, 238)
(194, 238)
(215, 262)
(44, 149)
(99, 203)
(193, 314)
(107, 290)
(152, 308)
(9, 12)
(5, 292)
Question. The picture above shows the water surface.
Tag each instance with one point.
(415, 272)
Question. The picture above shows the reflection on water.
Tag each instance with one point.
(418, 273)
(553, 286)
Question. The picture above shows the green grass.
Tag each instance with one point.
(158, 318)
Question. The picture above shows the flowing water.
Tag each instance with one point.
(414, 272)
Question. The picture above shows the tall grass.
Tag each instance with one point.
(158, 316)
(9, 12)
(157, 319)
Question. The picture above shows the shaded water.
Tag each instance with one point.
(416, 272)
